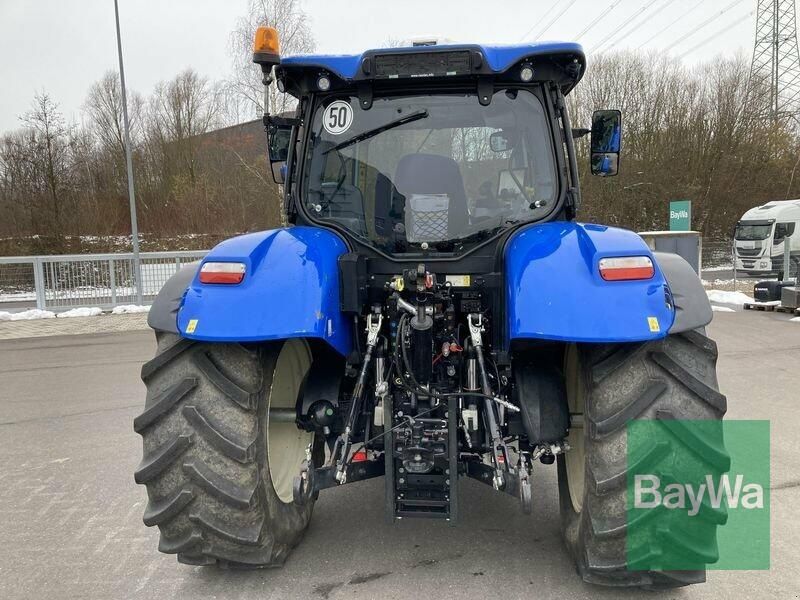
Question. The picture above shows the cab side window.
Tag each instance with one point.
(783, 230)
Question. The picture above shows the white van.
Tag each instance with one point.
(761, 235)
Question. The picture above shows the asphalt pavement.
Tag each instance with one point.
(70, 513)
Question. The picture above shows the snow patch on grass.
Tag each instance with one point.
(733, 298)
(718, 282)
(17, 296)
(27, 315)
(80, 312)
(127, 309)
(728, 267)
(716, 308)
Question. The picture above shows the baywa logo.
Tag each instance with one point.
(698, 495)
(647, 494)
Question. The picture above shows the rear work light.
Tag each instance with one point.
(222, 272)
(626, 268)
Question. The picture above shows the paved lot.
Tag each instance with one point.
(70, 513)
(106, 323)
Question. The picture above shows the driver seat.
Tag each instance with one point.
(435, 174)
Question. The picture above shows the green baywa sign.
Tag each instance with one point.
(680, 215)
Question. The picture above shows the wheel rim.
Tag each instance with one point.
(575, 458)
(286, 444)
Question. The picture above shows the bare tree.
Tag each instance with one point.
(184, 107)
(103, 107)
(47, 153)
(180, 110)
(393, 42)
(294, 30)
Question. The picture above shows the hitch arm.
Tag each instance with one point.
(500, 452)
(344, 442)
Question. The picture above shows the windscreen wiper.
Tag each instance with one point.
(416, 116)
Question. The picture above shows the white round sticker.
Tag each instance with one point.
(338, 117)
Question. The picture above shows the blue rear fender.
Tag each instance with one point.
(290, 290)
(554, 290)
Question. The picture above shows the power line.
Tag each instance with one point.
(702, 25)
(622, 30)
(624, 24)
(644, 21)
(597, 20)
(716, 35)
(554, 19)
(671, 25)
(547, 14)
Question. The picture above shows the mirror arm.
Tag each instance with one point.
(574, 191)
(578, 133)
(282, 121)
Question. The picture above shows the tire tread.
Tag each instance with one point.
(154, 464)
(673, 391)
(203, 465)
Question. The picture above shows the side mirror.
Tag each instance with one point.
(278, 139)
(606, 142)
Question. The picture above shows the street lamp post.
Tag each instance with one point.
(137, 265)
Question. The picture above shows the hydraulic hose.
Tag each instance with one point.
(401, 359)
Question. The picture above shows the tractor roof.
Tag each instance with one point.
(562, 62)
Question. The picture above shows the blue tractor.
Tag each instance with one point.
(433, 311)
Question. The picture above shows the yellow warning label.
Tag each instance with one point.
(458, 280)
(653, 323)
(193, 325)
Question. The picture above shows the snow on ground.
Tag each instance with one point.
(80, 312)
(27, 315)
(795, 319)
(17, 296)
(127, 309)
(728, 267)
(35, 313)
(718, 282)
(733, 298)
(716, 308)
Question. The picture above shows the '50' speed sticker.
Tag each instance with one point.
(338, 117)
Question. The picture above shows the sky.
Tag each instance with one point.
(63, 46)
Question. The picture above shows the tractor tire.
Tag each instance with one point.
(673, 378)
(218, 474)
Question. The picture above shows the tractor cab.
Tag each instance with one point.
(431, 151)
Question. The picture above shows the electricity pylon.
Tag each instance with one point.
(776, 61)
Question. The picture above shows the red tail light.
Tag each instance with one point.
(626, 268)
(222, 272)
(359, 456)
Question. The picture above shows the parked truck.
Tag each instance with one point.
(762, 237)
(432, 312)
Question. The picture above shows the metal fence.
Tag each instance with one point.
(717, 255)
(71, 281)
(717, 267)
